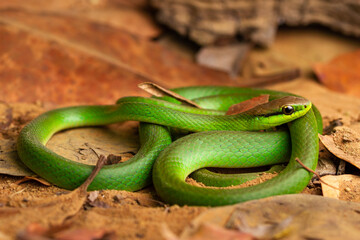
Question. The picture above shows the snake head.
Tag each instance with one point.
(280, 111)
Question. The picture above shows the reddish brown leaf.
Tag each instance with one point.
(37, 231)
(248, 104)
(85, 234)
(65, 59)
(341, 73)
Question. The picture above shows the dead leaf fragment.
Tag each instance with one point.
(348, 187)
(295, 216)
(36, 231)
(341, 73)
(160, 91)
(248, 104)
(33, 178)
(207, 231)
(344, 143)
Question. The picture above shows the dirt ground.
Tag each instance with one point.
(32, 209)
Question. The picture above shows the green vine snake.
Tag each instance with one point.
(230, 141)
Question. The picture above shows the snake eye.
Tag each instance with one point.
(287, 110)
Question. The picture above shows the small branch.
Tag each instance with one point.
(317, 175)
(100, 163)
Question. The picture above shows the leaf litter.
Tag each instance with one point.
(131, 215)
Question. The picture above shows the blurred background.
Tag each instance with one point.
(95, 51)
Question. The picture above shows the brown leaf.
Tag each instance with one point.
(347, 187)
(292, 216)
(32, 178)
(37, 231)
(207, 231)
(85, 234)
(65, 57)
(344, 144)
(248, 104)
(341, 73)
(160, 91)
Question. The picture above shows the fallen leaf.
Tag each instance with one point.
(32, 178)
(341, 73)
(65, 54)
(37, 231)
(93, 195)
(347, 187)
(248, 104)
(85, 234)
(295, 216)
(84, 145)
(344, 143)
(52, 211)
(160, 91)
(207, 231)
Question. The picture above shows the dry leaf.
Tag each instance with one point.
(85, 234)
(248, 104)
(52, 211)
(160, 91)
(84, 145)
(341, 73)
(344, 143)
(295, 216)
(66, 56)
(347, 184)
(36, 231)
(207, 231)
(32, 178)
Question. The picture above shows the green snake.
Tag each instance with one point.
(223, 141)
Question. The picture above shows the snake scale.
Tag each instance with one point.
(230, 141)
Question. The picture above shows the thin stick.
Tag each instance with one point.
(100, 163)
(312, 171)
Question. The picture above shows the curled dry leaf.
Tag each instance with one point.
(33, 178)
(344, 143)
(248, 104)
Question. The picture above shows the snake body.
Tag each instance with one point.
(181, 158)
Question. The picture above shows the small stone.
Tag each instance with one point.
(347, 189)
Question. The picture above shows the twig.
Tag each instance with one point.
(317, 175)
(100, 163)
